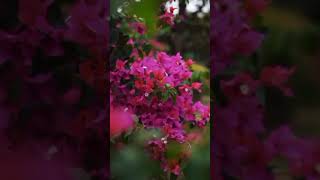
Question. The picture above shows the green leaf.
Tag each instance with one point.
(173, 150)
(165, 96)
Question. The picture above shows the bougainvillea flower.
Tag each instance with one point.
(241, 85)
(196, 86)
(138, 27)
(277, 76)
(156, 148)
(167, 18)
(130, 42)
(189, 62)
(248, 41)
(120, 121)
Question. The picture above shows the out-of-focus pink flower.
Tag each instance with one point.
(167, 18)
(194, 137)
(189, 62)
(130, 42)
(171, 9)
(172, 166)
(248, 41)
(277, 76)
(202, 113)
(120, 120)
(120, 65)
(156, 148)
(138, 27)
(196, 86)
(158, 45)
(176, 169)
(241, 85)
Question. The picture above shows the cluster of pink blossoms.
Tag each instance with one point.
(242, 148)
(168, 17)
(158, 90)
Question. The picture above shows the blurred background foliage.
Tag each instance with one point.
(190, 37)
(293, 39)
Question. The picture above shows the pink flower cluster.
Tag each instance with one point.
(157, 148)
(159, 91)
(242, 148)
(168, 17)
